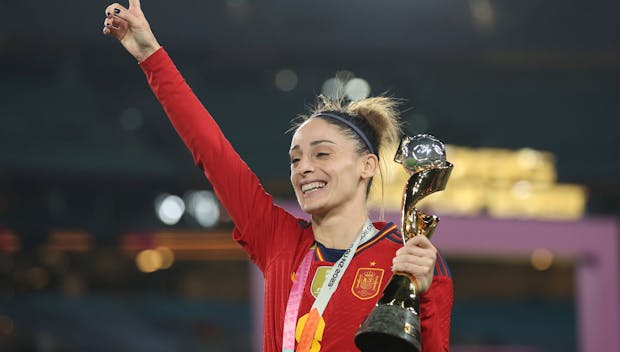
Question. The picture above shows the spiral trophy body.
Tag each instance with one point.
(394, 323)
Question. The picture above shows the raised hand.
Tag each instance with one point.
(131, 28)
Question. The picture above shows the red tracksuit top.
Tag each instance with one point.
(276, 241)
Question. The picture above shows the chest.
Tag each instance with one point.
(359, 288)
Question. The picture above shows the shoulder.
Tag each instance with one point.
(387, 236)
(388, 231)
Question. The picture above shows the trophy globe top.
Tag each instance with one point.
(421, 152)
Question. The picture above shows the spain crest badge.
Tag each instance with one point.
(367, 283)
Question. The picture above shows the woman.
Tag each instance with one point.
(334, 156)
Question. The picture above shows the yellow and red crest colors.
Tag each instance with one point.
(367, 283)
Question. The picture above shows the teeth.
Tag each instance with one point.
(312, 186)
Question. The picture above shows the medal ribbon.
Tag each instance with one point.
(325, 293)
(294, 300)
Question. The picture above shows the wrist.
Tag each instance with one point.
(146, 52)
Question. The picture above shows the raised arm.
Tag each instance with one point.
(252, 210)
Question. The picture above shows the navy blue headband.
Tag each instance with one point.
(350, 124)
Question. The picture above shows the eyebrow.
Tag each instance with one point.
(313, 143)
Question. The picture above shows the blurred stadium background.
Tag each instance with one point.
(110, 238)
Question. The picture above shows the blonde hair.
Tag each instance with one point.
(377, 117)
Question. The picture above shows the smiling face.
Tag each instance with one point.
(327, 172)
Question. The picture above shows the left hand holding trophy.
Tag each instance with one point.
(394, 324)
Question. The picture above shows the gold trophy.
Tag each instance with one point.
(394, 323)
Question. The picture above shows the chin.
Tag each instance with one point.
(308, 208)
(311, 209)
(313, 206)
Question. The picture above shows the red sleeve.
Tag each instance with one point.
(256, 218)
(436, 309)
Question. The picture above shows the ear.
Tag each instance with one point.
(369, 165)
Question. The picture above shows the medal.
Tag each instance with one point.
(309, 332)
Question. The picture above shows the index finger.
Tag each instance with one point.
(134, 4)
(420, 241)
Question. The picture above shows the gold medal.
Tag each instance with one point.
(309, 332)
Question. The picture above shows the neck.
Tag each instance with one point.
(338, 230)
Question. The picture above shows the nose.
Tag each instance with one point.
(304, 165)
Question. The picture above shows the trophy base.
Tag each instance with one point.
(389, 328)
